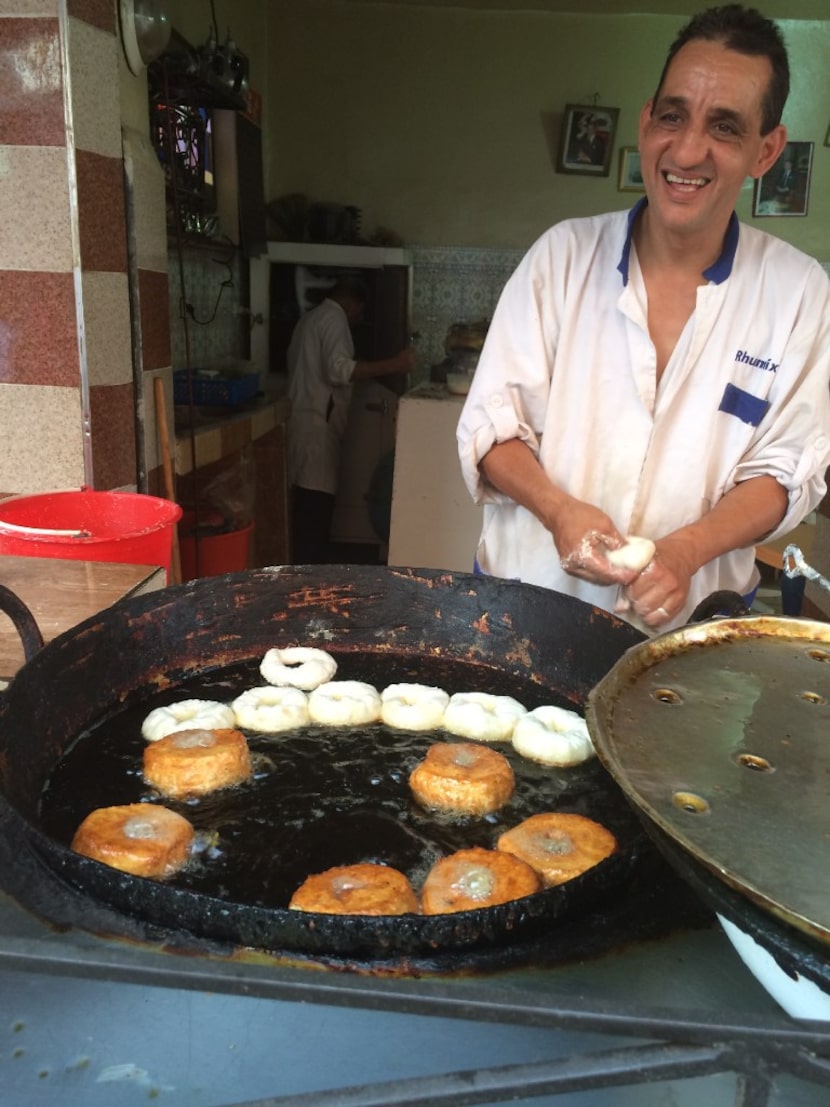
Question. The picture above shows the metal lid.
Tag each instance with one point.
(720, 733)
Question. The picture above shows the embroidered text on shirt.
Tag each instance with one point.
(756, 362)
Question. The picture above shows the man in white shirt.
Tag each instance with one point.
(321, 371)
(662, 372)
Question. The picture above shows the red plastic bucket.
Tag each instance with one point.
(211, 555)
(126, 527)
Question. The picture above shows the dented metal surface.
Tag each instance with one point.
(720, 734)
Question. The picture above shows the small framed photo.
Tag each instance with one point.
(785, 188)
(587, 140)
(631, 177)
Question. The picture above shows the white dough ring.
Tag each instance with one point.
(553, 736)
(186, 715)
(270, 710)
(634, 554)
(344, 703)
(482, 716)
(298, 667)
(413, 706)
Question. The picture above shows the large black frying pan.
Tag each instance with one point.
(487, 633)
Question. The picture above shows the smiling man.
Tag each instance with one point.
(662, 372)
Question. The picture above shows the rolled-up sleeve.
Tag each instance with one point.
(337, 348)
(796, 450)
(510, 390)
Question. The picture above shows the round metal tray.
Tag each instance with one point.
(720, 733)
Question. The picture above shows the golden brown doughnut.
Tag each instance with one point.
(194, 762)
(476, 877)
(559, 846)
(463, 777)
(138, 838)
(363, 889)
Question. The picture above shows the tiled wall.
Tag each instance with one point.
(212, 279)
(83, 283)
(453, 285)
(67, 401)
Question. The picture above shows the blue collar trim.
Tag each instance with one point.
(717, 273)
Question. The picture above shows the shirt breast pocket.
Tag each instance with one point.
(743, 405)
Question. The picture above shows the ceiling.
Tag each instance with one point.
(775, 9)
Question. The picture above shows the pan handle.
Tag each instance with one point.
(722, 603)
(24, 622)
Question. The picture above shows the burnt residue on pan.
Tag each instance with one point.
(385, 626)
(320, 796)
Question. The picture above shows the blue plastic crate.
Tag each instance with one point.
(209, 391)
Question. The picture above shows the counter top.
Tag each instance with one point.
(433, 391)
(211, 433)
(62, 593)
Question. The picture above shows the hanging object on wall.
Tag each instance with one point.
(145, 31)
(587, 139)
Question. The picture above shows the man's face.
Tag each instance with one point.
(701, 138)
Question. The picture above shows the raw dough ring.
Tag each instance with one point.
(413, 706)
(298, 667)
(269, 709)
(482, 716)
(553, 736)
(344, 703)
(187, 715)
(634, 554)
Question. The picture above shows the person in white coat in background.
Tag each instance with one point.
(322, 369)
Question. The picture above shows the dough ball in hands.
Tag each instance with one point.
(482, 716)
(633, 555)
(474, 878)
(553, 736)
(195, 762)
(138, 838)
(362, 889)
(558, 845)
(462, 778)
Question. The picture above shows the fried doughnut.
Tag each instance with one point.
(364, 889)
(270, 709)
(463, 778)
(558, 846)
(553, 736)
(186, 715)
(195, 762)
(138, 838)
(482, 716)
(298, 667)
(413, 706)
(344, 703)
(474, 878)
(634, 554)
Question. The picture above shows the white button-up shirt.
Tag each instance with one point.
(569, 368)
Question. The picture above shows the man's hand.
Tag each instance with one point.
(583, 535)
(660, 591)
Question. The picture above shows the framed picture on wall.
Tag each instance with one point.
(631, 177)
(785, 188)
(586, 140)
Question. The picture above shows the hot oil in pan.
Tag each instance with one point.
(320, 796)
